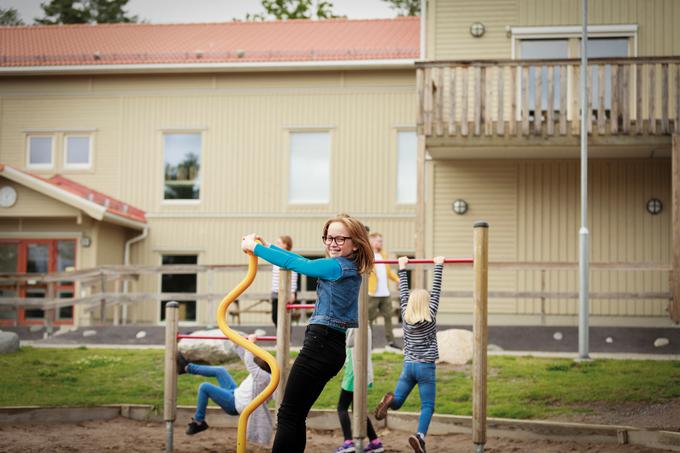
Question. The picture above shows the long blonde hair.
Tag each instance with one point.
(418, 307)
(363, 256)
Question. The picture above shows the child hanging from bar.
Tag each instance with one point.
(419, 320)
(347, 397)
(232, 398)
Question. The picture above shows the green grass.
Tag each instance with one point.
(519, 387)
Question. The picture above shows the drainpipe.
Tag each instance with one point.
(126, 261)
(423, 37)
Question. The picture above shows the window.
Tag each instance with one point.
(309, 175)
(77, 151)
(182, 162)
(180, 283)
(40, 151)
(407, 151)
(538, 49)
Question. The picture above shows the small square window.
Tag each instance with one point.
(40, 152)
(309, 168)
(77, 151)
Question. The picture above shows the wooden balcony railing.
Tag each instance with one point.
(523, 98)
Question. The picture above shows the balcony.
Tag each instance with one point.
(526, 100)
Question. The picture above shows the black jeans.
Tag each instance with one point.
(321, 357)
(344, 402)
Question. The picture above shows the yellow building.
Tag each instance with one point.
(215, 130)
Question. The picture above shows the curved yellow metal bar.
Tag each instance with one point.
(256, 350)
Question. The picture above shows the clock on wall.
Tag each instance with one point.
(8, 196)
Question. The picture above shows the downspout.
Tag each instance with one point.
(126, 261)
(423, 36)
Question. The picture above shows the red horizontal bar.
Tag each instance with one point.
(299, 306)
(201, 337)
(428, 261)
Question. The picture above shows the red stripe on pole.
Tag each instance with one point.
(428, 261)
(299, 306)
(201, 337)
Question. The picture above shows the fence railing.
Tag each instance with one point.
(626, 96)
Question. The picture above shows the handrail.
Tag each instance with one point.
(235, 337)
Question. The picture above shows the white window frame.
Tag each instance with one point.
(181, 201)
(309, 130)
(49, 166)
(396, 181)
(89, 164)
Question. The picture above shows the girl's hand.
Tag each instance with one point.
(439, 260)
(252, 338)
(248, 243)
(403, 261)
(262, 241)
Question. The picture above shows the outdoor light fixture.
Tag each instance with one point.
(85, 241)
(654, 206)
(477, 29)
(460, 206)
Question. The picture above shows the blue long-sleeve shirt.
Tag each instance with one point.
(324, 268)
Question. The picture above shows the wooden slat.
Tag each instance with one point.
(589, 99)
(487, 96)
(626, 89)
(525, 100)
(512, 123)
(538, 108)
(421, 96)
(477, 100)
(674, 308)
(600, 100)
(614, 109)
(560, 295)
(652, 100)
(664, 99)
(427, 103)
(500, 120)
(464, 123)
(638, 99)
(452, 101)
(439, 102)
(551, 102)
(677, 98)
(576, 101)
(563, 100)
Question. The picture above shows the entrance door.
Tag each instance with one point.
(29, 256)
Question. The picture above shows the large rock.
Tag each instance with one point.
(207, 351)
(9, 342)
(455, 346)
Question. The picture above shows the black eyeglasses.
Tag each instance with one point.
(339, 240)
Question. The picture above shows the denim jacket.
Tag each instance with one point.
(337, 300)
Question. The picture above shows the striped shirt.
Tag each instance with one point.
(420, 339)
(275, 280)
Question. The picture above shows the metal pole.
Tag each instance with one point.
(283, 333)
(359, 404)
(583, 341)
(480, 334)
(170, 396)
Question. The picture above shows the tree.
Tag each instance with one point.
(10, 16)
(405, 7)
(85, 12)
(294, 9)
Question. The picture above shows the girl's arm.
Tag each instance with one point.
(436, 285)
(324, 268)
(403, 285)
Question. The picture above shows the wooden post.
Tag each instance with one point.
(50, 313)
(481, 270)
(170, 388)
(419, 274)
(674, 308)
(102, 302)
(283, 334)
(118, 306)
(359, 405)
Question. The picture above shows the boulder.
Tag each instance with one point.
(212, 352)
(455, 346)
(661, 342)
(9, 342)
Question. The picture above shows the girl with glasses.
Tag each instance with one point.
(323, 351)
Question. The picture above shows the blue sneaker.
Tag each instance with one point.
(374, 447)
(346, 447)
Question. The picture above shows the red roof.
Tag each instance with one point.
(112, 205)
(276, 41)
